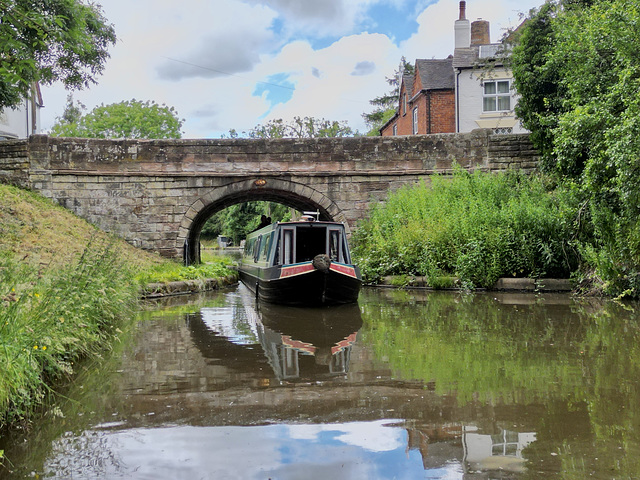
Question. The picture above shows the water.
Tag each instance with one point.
(404, 385)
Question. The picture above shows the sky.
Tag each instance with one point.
(235, 64)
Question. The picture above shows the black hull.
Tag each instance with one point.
(314, 288)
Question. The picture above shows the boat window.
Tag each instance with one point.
(346, 257)
(334, 245)
(248, 247)
(276, 255)
(256, 248)
(266, 246)
(310, 242)
(287, 246)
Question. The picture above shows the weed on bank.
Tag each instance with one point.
(49, 321)
(474, 226)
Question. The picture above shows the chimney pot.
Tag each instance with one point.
(463, 7)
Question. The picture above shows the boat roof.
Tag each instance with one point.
(268, 228)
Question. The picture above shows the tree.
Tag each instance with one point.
(536, 79)
(386, 104)
(50, 40)
(128, 119)
(584, 115)
(241, 219)
(307, 127)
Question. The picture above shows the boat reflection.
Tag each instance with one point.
(300, 344)
(306, 344)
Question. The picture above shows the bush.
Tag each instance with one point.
(478, 227)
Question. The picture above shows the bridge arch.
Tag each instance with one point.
(292, 194)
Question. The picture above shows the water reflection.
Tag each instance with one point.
(300, 344)
(404, 385)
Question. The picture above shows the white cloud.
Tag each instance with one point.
(321, 18)
(241, 43)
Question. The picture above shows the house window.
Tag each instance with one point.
(404, 104)
(395, 129)
(415, 120)
(497, 96)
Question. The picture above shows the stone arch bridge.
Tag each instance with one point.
(157, 194)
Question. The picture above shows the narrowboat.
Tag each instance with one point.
(305, 263)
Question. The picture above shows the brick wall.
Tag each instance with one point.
(443, 111)
(436, 114)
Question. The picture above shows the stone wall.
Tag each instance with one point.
(14, 162)
(157, 194)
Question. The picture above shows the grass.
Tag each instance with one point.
(51, 320)
(66, 288)
(216, 267)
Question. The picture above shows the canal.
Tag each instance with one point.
(405, 385)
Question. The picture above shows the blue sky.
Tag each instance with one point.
(233, 64)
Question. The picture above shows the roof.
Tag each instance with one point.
(436, 74)
(478, 54)
(407, 80)
(465, 57)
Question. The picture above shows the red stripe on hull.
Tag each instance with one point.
(296, 270)
(344, 269)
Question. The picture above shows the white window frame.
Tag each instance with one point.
(395, 129)
(415, 120)
(495, 97)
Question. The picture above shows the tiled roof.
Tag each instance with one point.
(408, 84)
(472, 56)
(465, 57)
(436, 74)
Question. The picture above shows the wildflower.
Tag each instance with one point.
(36, 295)
(35, 347)
(44, 348)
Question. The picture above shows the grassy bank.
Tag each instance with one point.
(477, 227)
(65, 288)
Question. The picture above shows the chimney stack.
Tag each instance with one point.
(462, 29)
(480, 32)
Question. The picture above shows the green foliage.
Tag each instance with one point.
(49, 322)
(577, 69)
(307, 127)
(48, 41)
(241, 219)
(128, 119)
(538, 80)
(478, 227)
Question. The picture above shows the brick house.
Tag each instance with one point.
(426, 100)
(458, 94)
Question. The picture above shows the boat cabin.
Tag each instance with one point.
(295, 242)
